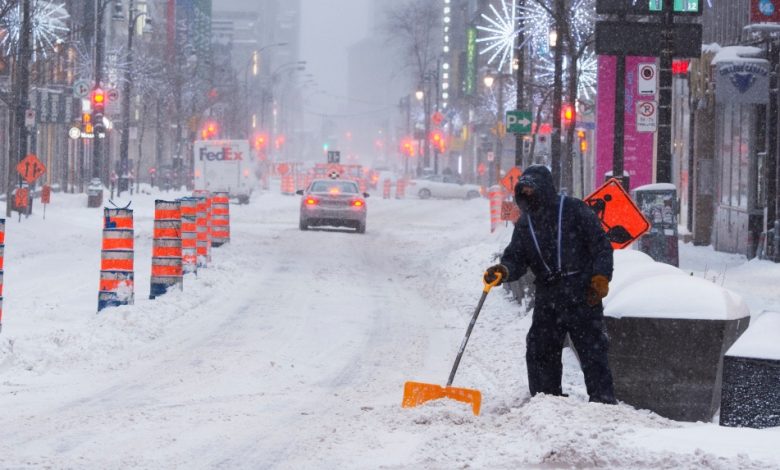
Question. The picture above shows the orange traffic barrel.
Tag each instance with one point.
(386, 190)
(496, 195)
(400, 189)
(202, 230)
(220, 219)
(189, 234)
(116, 259)
(288, 184)
(167, 264)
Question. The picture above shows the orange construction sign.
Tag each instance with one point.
(509, 211)
(45, 194)
(510, 180)
(21, 197)
(623, 221)
(30, 168)
(334, 172)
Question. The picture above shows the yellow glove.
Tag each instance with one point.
(490, 274)
(599, 288)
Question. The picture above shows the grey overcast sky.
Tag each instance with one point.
(328, 27)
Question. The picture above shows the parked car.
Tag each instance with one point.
(335, 203)
(443, 186)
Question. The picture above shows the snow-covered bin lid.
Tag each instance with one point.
(677, 297)
(628, 273)
(761, 340)
(631, 256)
(656, 187)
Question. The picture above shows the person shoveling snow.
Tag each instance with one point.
(560, 239)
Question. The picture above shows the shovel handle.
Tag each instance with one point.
(474, 317)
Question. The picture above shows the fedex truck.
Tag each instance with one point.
(224, 166)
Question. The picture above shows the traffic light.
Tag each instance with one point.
(209, 131)
(261, 141)
(583, 141)
(568, 114)
(439, 142)
(86, 123)
(408, 147)
(98, 101)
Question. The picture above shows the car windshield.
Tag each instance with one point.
(335, 187)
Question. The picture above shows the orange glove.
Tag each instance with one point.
(599, 288)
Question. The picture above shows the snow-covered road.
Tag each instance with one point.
(291, 350)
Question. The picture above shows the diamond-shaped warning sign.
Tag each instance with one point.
(30, 168)
(334, 172)
(510, 179)
(481, 169)
(437, 118)
(623, 221)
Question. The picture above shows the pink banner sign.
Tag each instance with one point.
(638, 147)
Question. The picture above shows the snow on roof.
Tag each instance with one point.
(761, 340)
(656, 187)
(738, 54)
(644, 288)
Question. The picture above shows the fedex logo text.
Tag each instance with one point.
(227, 154)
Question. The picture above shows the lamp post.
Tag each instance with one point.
(254, 62)
(420, 95)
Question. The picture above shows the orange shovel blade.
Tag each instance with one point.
(416, 393)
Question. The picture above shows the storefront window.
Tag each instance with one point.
(734, 155)
(725, 157)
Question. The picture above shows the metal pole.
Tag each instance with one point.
(124, 144)
(772, 135)
(664, 163)
(97, 151)
(555, 143)
(620, 119)
(519, 160)
(495, 168)
(23, 64)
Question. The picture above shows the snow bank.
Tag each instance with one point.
(643, 288)
(761, 340)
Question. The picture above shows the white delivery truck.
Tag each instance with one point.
(225, 165)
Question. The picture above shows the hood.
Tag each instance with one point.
(538, 178)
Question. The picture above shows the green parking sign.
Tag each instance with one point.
(519, 122)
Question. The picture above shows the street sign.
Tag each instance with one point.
(499, 129)
(585, 107)
(82, 89)
(510, 179)
(648, 80)
(29, 118)
(646, 116)
(491, 156)
(764, 11)
(46, 195)
(647, 7)
(620, 217)
(30, 168)
(481, 169)
(646, 39)
(519, 122)
(113, 101)
(283, 169)
(334, 156)
(74, 133)
(509, 211)
(334, 172)
(21, 197)
(437, 118)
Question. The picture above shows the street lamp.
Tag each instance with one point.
(489, 79)
(552, 37)
(419, 94)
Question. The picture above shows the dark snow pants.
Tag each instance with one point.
(544, 346)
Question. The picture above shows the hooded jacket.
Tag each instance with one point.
(585, 249)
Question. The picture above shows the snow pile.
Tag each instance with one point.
(644, 288)
(761, 340)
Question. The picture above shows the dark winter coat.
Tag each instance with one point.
(585, 249)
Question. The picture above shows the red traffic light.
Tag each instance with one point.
(261, 141)
(209, 131)
(568, 114)
(98, 100)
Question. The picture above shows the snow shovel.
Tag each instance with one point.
(416, 393)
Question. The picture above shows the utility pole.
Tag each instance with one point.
(494, 168)
(555, 143)
(664, 162)
(97, 153)
(520, 56)
(23, 53)
(124, 144)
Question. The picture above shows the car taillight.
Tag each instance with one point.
(357, 203)
(312, 201)
(410, 183)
